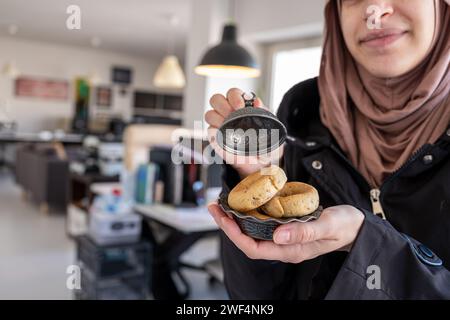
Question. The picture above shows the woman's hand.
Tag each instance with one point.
(221, 108)
(335, 230)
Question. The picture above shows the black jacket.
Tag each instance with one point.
(416, 203)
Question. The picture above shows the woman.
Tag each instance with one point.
(376, 127)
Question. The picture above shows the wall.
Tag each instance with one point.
(38, 59)
(265, 21)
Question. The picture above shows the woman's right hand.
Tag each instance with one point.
(221, 109)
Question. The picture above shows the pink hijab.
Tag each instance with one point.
(380, 123)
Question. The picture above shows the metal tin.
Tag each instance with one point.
(262, 121)
(262, 229)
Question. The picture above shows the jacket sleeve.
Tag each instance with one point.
(386, 264)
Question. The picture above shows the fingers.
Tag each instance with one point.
(335, 223)
(300, 233)
(215, 212)
(233, 101)
(259, 104)
(213, 118)
(268, 250)
(234, 97)
(305, 241)
(221, 105)
(287, 253)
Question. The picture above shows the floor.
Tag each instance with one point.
(35, 251)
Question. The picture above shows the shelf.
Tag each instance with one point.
(158, 113)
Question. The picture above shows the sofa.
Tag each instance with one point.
(43, 174)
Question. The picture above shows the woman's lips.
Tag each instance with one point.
(382, 38)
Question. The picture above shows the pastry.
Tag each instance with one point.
(296, 199)
(257, 189)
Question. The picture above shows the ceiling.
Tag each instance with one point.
(138, 27)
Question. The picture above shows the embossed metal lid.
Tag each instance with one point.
(251, 131)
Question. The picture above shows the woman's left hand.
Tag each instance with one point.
(335, 230)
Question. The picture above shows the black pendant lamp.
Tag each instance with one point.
(228, 59)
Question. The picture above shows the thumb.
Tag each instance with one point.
(298, 232)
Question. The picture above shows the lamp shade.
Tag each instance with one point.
(228, 59)
(169, 74)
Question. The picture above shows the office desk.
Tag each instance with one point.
(36, 137)
(186, 226)
(184, 220)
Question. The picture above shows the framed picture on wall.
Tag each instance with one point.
(48, 89)
(122, 75)
(103, 97)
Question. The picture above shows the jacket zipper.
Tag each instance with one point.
(375, 193)
(377, 208)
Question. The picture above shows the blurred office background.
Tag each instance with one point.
(87, 118)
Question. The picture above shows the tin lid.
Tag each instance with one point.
(251, 131)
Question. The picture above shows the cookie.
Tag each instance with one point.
(257, 189)
(296, 199)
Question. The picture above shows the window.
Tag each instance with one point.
(292, 64)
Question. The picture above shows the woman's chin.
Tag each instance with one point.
(388, 65)
(385, 68)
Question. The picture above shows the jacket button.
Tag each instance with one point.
(426, 251)
(311, 144)
(317, 165)
(428, 159)
(427, 256)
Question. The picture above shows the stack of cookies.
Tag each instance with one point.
(266, 193)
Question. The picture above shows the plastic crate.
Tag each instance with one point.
(113, 260)
(131, 287)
